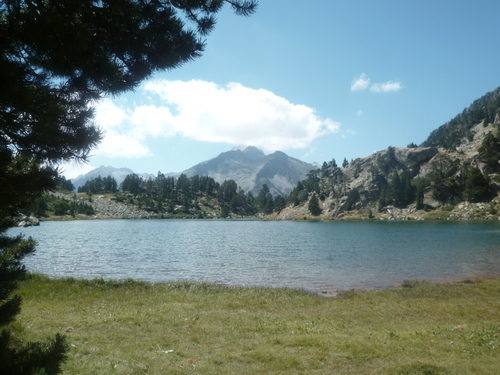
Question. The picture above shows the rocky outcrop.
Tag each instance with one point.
(469, 147)
(355, 191)
(416, 155)
(105, 207)
(27, 221)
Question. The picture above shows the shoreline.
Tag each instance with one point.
(326, 293)
(81, 217)
(107, 208)
(410, 284)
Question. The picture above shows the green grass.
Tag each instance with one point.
(130, 327)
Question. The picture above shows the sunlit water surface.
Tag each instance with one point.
(314, 256)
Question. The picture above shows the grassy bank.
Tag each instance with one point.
(184, 328)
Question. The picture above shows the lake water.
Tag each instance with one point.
(315, 256)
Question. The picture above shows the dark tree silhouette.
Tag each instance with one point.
(57, 58)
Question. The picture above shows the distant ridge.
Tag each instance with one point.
(250, 168)
(118, 174)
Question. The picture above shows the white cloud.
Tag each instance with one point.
(206, 112)
(119, 140)
(108, 115)
(115, 144)
(386, 87)
(362, 83)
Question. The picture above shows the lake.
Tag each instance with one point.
(316, 256)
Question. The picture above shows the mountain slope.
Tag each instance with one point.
(250, 168)
(455, 174)
(461, 128)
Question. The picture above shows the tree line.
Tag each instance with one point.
(186, 196)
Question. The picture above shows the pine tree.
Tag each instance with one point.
(56, 59)
(269, 207)
(263, 198)
(477, 187)
(279, 203)
(382, 202)
(313, 206)
(489, 151)
(325, 170)
(419, 196)
(16, 358)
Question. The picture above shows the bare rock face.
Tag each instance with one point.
(105, 207)
(416, 155)
(109, 208)
(470, 147)
(27, 221)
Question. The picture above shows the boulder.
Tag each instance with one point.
(25, 221)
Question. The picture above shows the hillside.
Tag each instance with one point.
(455, 174)
(463, 127)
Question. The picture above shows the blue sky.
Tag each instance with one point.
(318, 80)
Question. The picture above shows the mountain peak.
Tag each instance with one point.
(247, 149)
(250, 168)
(240, 148)
(253, 152)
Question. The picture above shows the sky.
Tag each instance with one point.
(318, 80)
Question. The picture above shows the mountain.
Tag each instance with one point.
(460, 129)
(454, 174)
(118, 174)
(250, 168)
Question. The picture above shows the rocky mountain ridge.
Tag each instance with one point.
(455, 174)
(250, 168)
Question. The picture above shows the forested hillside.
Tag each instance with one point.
(159, 197)
(454, 174)
(484, 110)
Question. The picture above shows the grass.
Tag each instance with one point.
(131, 327)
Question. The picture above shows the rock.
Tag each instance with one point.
(34, 221)
(418, 155)
(25, 221)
